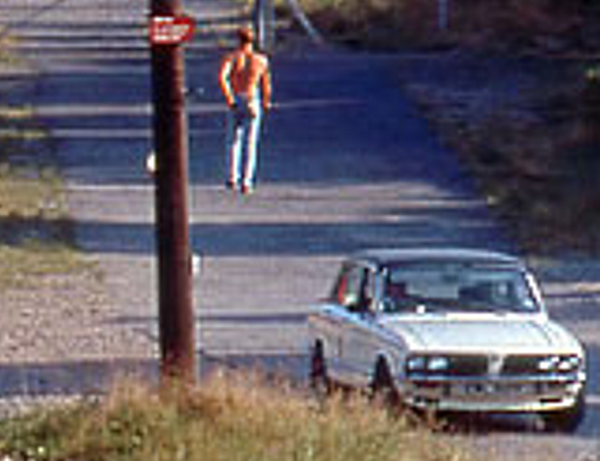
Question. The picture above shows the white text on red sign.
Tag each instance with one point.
(170, 30)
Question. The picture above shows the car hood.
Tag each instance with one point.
(477, 335)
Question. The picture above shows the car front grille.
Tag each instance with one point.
(494, 366)
(467, 366)
(521, 365)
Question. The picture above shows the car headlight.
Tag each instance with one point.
(548, 363)
(568, 364)
(562, 364)
(427, 364)
(438, 364)
(416, 364)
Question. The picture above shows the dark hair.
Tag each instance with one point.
(245, 35)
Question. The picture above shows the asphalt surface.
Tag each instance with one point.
(346, 163)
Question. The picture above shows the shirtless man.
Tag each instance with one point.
(245, 81)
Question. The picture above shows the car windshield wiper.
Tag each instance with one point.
(483, 308)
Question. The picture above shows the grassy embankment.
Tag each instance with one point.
(35, 233)
(229, 418)
(537, 160)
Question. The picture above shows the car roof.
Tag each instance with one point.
(456, 254)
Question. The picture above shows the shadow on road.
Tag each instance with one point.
(300, 238)
(89, 377)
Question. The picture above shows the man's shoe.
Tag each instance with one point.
(231, 185)
(247, 190)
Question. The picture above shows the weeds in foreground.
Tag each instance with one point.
(229, 418)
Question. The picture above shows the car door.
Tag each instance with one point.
(357, 339)
(335, 316)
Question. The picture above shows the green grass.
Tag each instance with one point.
(229, 418)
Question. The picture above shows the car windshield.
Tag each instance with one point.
(457, 287)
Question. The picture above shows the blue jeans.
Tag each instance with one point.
(243, 137)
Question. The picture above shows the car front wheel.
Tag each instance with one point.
(383, 387)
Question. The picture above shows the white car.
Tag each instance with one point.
(448, 330)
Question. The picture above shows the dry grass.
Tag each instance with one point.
(6, 57)
(361, 23)
(36, 235)
(499, 24)
(30, 193)
(514, 24)
(25, 265)
(536, 160)
(229, 418)
(548, 189)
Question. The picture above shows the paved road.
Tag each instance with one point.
(347, 163)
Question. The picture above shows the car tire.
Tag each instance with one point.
(383, 388)
(319, 377)
(566, 421)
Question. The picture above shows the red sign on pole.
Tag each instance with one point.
(170, 30)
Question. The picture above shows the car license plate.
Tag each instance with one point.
(480, 389)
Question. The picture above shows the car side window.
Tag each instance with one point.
(354, 289)
(346, 291)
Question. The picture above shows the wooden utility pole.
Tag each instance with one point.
(591, 107)
(264, 25)
(443, 15)
(176, 315)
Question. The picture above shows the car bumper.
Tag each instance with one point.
(493, 396)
